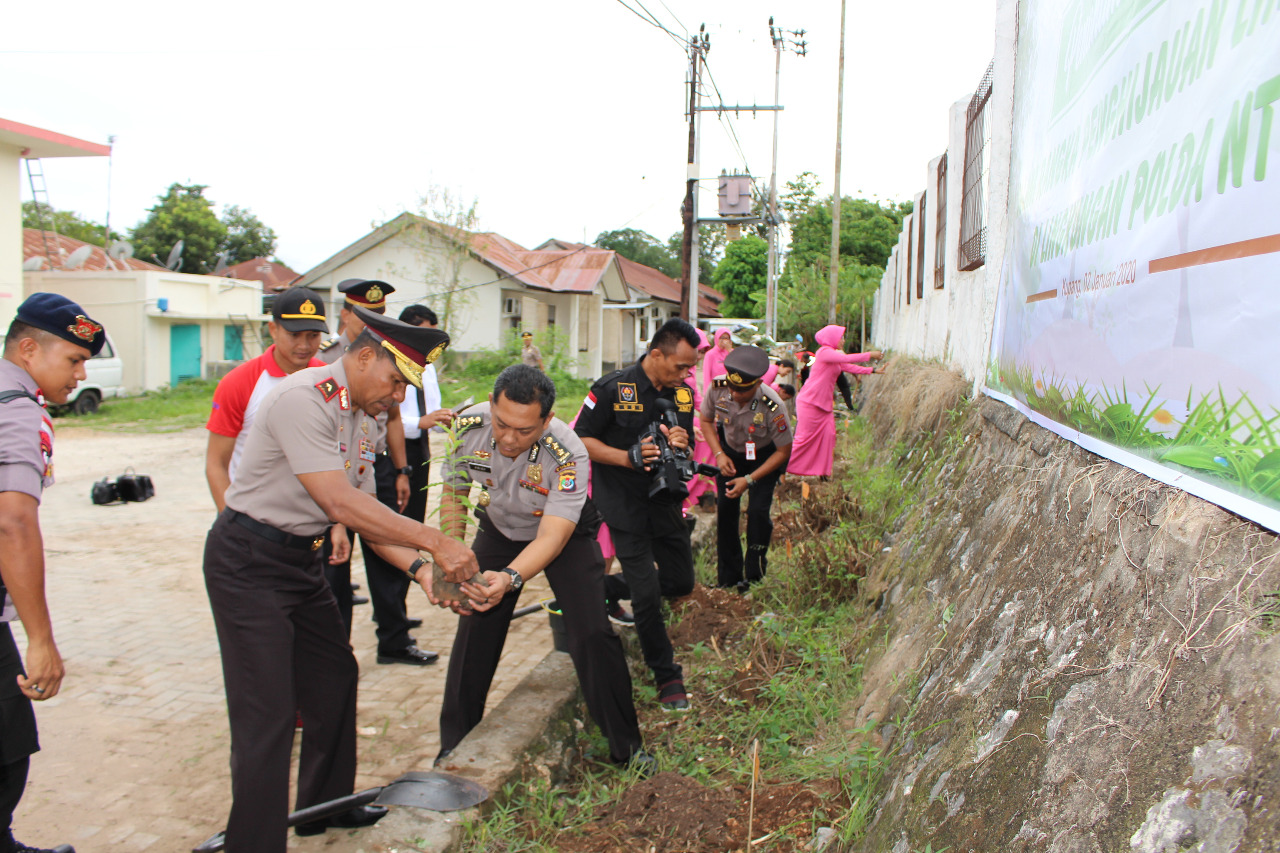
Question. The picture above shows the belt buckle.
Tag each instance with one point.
(317, 543)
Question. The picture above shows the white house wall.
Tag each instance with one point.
(953, 325)
(10, 235)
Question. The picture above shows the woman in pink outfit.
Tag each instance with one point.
(713, 364)
(701, 449)
(813, 451)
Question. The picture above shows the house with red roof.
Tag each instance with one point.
(273, 275)
(485, 287)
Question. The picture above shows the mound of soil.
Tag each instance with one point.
(710, 612)
(671, 813)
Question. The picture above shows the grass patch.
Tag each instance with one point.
(772, 679)
(183, 406)
(476, 380)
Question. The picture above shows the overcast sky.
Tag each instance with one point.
(563, 119)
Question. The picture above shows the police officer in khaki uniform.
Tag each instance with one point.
(745, 422)
(309, 458)
(44, 354)
(534, 516)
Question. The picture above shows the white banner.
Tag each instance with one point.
(1139, 304)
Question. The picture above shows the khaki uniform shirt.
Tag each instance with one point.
(762, 420)
(330, 352)
(532, 356)
(334, 348)
(308, 424)
(26, 447)
(548, 479)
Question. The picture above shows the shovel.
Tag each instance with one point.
(440, 792)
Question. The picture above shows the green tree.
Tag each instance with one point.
(183, 213)
(711, 241)
(741, 274)
(868, 232)
(247, 238)
(65, 222)
(641, 247)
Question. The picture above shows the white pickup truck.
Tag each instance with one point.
(104, 378)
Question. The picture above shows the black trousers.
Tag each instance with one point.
(18, 736)
(388, 586)
(283, 649)
(730, 570)
(420, 462)
(577, 579)
(666, 543)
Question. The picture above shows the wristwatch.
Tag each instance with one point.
(750, 481)
(406, 471)
(412, 571)
(516, 580)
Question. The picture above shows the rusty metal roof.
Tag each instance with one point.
(274, 276)
(61, 247)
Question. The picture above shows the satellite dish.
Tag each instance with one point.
(175, 256)
(221, 266)
(34, 263)
(77, 258)
(121, 250)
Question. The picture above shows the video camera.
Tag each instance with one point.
(673, 468)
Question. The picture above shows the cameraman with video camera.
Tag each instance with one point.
(639, 496)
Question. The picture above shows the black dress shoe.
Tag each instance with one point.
(411, 655)
(354, 818)
(359, 599)
(414, 623)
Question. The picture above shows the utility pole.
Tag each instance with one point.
(771, 278)
(698, 44)
(835, 207)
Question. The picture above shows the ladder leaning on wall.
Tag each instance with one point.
(40, 198)
(251, 339)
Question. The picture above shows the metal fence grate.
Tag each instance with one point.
(940, 246)
(920, 217)
(973, 226)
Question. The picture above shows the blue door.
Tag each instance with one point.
(232, 346)
(184, 353)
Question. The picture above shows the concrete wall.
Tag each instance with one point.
(953, 324)
(10, 235)
(127, 304)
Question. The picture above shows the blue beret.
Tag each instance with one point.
(59, 316)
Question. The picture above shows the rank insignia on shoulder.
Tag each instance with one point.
(770, 405)
(329, 344)
(328, 388)
(721, 382)
(558, 450)
(463, 425)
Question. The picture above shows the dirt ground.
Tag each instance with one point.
(135, 747)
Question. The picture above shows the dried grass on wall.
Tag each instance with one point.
(911, 398)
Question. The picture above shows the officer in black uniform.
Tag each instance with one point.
(44, 354)
(746, 424)
(645, 530)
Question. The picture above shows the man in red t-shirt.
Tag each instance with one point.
(296, 331)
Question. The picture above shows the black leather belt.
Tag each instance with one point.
(274, 534)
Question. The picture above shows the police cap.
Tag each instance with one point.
(59, 316)
(412, 347)
(366, 293)
(746, 365)
(298, 309)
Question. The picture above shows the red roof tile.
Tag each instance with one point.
(61, 247)
(274, 276)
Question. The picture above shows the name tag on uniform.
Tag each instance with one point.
(366, 450)
(751, 451)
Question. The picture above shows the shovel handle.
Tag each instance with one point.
(218, 840)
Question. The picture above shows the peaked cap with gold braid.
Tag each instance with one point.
(412, 347)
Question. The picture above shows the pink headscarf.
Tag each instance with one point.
(830, 336)
(703, 343)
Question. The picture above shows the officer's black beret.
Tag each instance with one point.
(414, 347)
(745, 365)
(298, 309)
(366, 293)
(59, 316)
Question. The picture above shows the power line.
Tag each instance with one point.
(653, 22)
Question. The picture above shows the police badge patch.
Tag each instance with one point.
(568, 481)
(628, 398)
